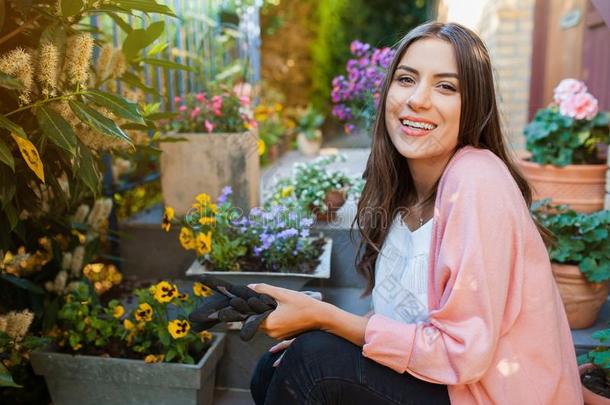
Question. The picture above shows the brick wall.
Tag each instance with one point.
(506, 28)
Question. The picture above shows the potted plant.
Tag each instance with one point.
(580, 259)
(317, 188)
(220, 135)
(105, 354)
(309, 135)
(271, 244)
(595, 371)
(568, 141)
(356, 95)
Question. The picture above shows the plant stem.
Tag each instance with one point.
(23, 27)
(48, 100)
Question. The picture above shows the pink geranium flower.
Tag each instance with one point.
(579, 106)
(209, 126)
(196, 111)
(182, 108)
(200, 97)
(567, 88)
(244, 101)
(177, 99)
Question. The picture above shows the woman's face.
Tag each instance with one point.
(422, 110)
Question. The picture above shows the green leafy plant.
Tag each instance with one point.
(310, 182)
(155, 330)
(598, 380)
(308, 122)
(581, 239)
(570, 130)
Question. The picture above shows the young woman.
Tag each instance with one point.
(465, 307)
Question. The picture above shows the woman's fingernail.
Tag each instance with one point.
(252, 286)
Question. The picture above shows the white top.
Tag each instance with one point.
(401, 273)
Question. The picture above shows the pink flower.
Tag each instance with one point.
(196, 111)
(568, 87)
(182, 108)
(200, 97)
(244, 101)
(243, 89)
(209, 126)
(580, 106)
(177, 99)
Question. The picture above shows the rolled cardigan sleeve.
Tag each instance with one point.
(476, 248)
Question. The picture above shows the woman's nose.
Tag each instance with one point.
(420, 98)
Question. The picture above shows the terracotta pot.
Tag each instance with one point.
(334, 200)
(583, 187)
(309, 147)
(582, 300)
(589, 396)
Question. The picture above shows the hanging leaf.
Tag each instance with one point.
(11, 215)
(6, 379)
(30, 155)
(117, 105)
(7, 186)
(57, 129)
(157, 49)
(22, 283)
(140, 38)
(98, 121)
(148, 6)
(9, 82)
(167, 64)
(134, 81)
(6, 156)
(88, 172)
(11, 126)
(121, 23)
(71, 7)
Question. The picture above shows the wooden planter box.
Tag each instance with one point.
(91, 380)
(205, 163)
(293, 281)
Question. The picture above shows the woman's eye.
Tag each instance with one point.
(405, 79)
(446, 86)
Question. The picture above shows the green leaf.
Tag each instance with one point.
(121, 23)
(11, 126)
(117, 105)
(6, 379)
(157, 49)
(148, 6)
(6, 156)
(167, 64)
(22, 283)
(162, 116)
(7, 185)
(97, 121)
(31, 342)
(11, 215)
(140, 38)
(88, 172)
(71, 7)
(9, 82)
(57, 129)
(134, 81)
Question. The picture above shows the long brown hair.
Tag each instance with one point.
(389, 183)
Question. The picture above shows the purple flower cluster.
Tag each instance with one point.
(225, 193)
(357, 94)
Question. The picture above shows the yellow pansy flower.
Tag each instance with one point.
(278, 107)
(207, 220)
(127, 324)
(261, 147)
(287, 191)
(201, 290)
(183, 297)
(165, 292)
(152, 358)
(187, 239)
(178, 328)
(203, 199)
(204, 243)
(144, 312)
(168, 215)
(205, 336)
(118, 311)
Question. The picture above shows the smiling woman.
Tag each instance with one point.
(459, 274)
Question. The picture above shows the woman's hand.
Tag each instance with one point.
(283, 345)
(295, 313)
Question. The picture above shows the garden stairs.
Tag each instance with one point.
(150, 254)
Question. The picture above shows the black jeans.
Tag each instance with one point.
(321, 368)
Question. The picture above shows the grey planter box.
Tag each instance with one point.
(91, 380)
(293, 281)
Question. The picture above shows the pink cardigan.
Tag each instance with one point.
(497, 330)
